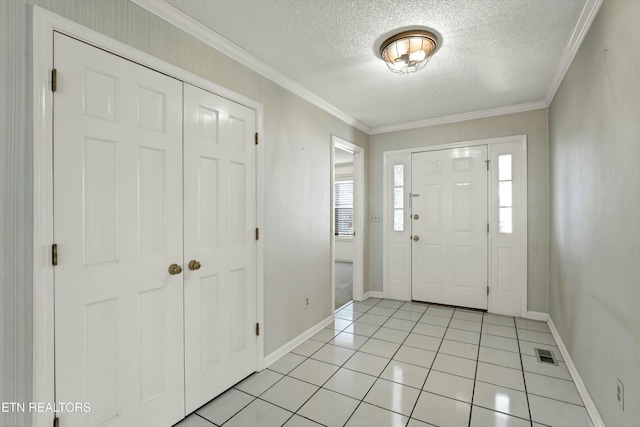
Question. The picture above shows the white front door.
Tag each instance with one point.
(219, 235)
(118, 227)
(449, 227)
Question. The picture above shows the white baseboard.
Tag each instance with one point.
(596, 419)
(276, 355)
(374, 294)
(342, 306)
(536, 315)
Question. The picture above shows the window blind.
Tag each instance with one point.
(343, 208)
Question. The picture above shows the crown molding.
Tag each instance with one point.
(205, 34)
(587, 16)
(500, 111)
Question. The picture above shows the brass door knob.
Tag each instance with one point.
(175, 269)
(416, 216)
(194, 265)
(416, 238)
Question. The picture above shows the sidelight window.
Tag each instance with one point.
(505, 194)
(398, 198)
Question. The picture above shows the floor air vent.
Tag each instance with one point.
(545, 356)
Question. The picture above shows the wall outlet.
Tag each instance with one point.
(306, 302)
(620, 394)
(376, 218)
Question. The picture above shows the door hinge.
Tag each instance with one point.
(54, 254)
(257, 329)
(56, 422)
(54, 80)
(257, 234)
(487, 290)
(487, 228)
(487, 162)
(256, 138)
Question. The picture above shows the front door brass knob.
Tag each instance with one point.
(416, 238)
(175, 269)
(416, 216)
(194, 265)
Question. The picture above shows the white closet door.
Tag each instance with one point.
(449, 227)
(118, 226)
(220, 222)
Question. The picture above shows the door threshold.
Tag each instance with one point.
(479, 310)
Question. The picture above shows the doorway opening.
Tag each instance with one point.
(347, 222)
(343, 225)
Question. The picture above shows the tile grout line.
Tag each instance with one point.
(241, 409)
(389, 317)
(475, 375)
(503, 413)
(293, 414)
(415, 388)
(502, 366)
(385, 366)
(321, 361)
(430, 368)
(524, 380)
(368, 338)
(287, 375)
(547, 376)
(332, 375)
(557, 400)
(269, 388)
(515, 327)
(500, 385)
(342, 367)
(200, 416)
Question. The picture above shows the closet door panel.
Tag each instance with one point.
(220, 221)
(118, 226)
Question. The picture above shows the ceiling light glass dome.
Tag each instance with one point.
(409, 51)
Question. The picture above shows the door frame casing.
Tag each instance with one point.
(358, 210)
(45, 23)
(521, 141)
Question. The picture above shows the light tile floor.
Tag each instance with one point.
(393, 363)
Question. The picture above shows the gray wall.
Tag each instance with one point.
(15, 209)
(595, 210)
(297, 175)
(535, 125)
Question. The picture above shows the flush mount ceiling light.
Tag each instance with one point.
(409, 51)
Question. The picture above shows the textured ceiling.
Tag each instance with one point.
(494, 53)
